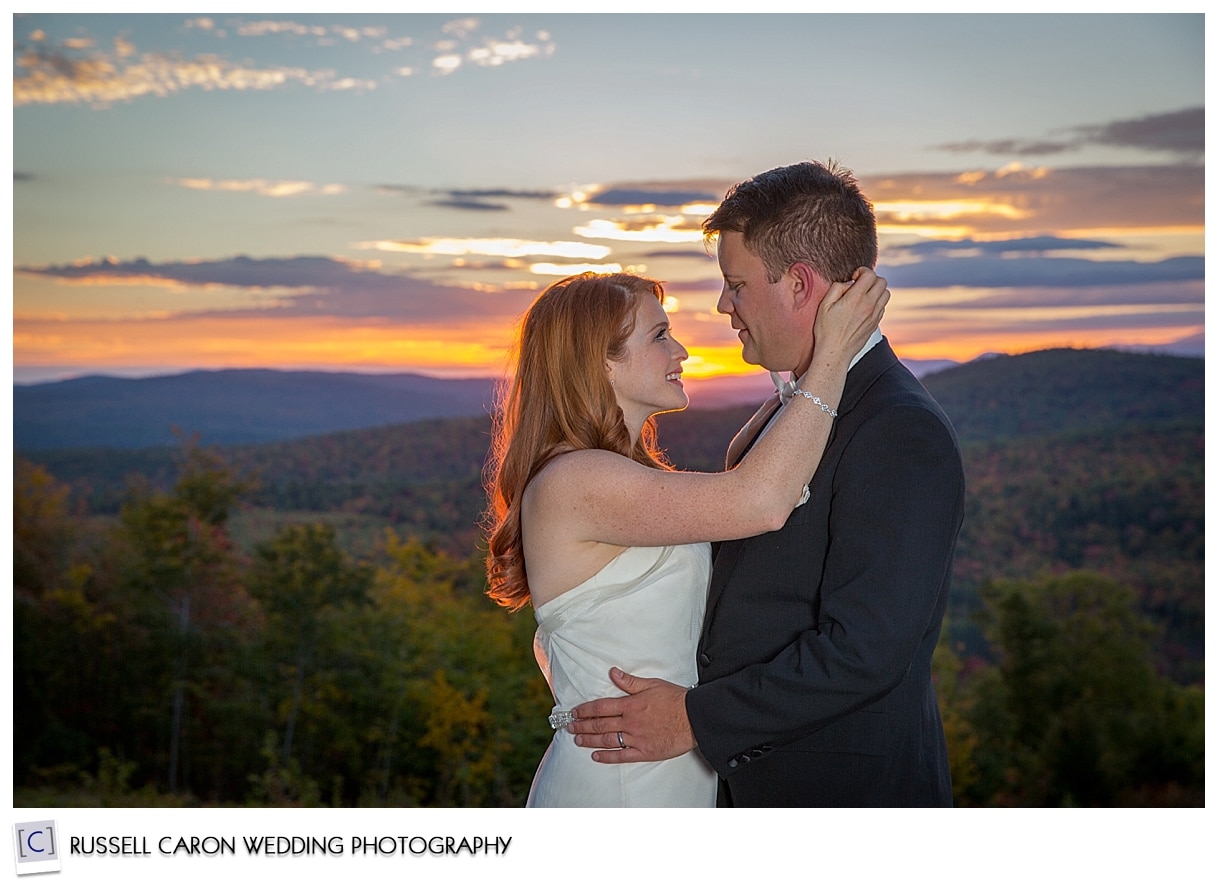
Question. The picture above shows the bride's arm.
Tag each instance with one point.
(596, 495)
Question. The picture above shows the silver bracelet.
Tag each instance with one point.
(816, 400)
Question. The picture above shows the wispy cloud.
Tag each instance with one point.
(262, 187)
(500, 247)
(1019, 245)
(468, 204)
(453, 53)
(656, 228)
(481, 200)
(1181, 132)
(50, 75)
(80, 70)
(503, 193)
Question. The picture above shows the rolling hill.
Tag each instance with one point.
(262, 406)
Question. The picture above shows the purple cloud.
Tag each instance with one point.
(1022, 245)
(468, 204)
(1057, 272)
(326, 287)
(1158, 295)
(649, 196)
(1181, 132)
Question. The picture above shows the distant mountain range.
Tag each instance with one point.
(232, 407)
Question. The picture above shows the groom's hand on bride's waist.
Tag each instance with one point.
(649, 723)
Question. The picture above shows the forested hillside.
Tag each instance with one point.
(256, 589)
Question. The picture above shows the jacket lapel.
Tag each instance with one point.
(858, 381)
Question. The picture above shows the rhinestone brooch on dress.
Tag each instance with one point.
(560, 719)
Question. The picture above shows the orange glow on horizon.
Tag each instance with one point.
(323, 343)
(967, 348)
(475, 349)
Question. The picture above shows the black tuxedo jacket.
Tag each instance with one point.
(814, 663)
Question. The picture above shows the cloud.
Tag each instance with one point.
(1176, 294)
(316, 286)
(451, 55)
(50, 75)
(651, 228)
(992, 272)
(1181, 132)
(700, 254)
(656, 196)
(468, 204)
(77, 70)
(461, 28)
(477, 200)
(1021, 245)
(240, 271)
(320, 35)
(262, 28)
(504, 194)
(1009, 147)
(401, 189)
(1016, 200)
(262, 187)
(571, 269)
(492, 247)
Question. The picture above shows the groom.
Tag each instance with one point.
(815, 658)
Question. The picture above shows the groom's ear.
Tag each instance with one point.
(808, 287)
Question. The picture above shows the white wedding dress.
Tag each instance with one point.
(643, 613)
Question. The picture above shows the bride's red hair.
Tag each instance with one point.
(559, 399)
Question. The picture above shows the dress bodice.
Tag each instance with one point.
(643, 613)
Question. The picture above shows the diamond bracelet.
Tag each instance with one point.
(815, 399)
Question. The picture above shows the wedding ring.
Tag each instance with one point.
(620, 742)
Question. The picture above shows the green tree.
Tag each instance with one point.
(954, 706)
(460, 715)
(1074, 713)
(55, 622)
(305, 584)
(180, 573)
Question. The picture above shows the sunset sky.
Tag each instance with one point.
(389, 192)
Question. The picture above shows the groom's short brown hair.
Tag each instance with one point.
(810, 212)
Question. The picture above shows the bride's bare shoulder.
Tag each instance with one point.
(576, 466)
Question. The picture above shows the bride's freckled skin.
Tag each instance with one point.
(641, 378)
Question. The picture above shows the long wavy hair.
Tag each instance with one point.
(559, 399)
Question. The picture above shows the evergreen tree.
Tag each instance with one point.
(1075, 713)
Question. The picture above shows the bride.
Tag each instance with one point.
(609, 544)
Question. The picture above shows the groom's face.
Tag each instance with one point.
(761, 311)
